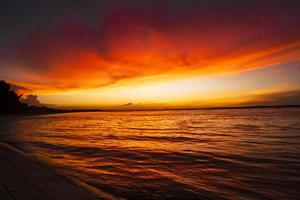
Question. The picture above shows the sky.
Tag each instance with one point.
(152, 54)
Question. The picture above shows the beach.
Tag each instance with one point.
(26, 179)
(23, 177)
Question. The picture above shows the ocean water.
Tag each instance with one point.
(197, 154)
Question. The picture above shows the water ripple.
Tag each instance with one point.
(209, 154)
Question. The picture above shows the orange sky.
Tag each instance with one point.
(135, 57)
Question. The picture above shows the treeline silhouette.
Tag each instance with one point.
(10, 103)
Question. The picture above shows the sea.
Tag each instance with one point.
(240, 154)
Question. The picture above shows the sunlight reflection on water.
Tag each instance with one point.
(205, 154)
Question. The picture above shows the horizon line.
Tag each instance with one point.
(169, 109)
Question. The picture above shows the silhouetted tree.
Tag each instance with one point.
(9, 100)
(10, 103)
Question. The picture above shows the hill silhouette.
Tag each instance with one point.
(10, 102)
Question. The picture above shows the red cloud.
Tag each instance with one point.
(132, 43)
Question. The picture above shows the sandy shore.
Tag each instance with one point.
(22, 178)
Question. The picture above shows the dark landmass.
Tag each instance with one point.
(10, 103)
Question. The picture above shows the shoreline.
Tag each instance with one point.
(22, 177)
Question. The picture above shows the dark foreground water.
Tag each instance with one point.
(206, 154)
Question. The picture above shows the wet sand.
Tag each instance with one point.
(22, 178)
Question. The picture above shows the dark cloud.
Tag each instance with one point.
(20, 89)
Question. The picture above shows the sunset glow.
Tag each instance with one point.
(160, 57)
(149, 99)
